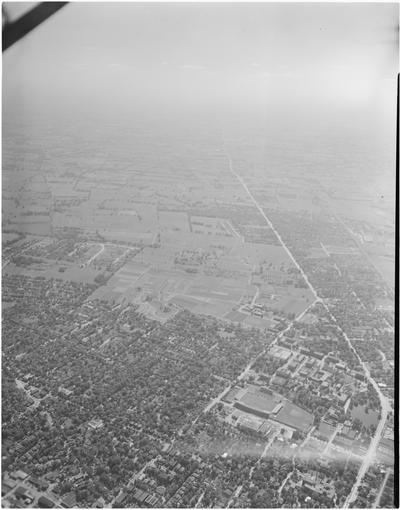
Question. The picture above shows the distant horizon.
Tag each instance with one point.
(198, 257)
(337, 58)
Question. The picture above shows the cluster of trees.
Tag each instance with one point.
(369, 487)
(268, 364)
(145, 384)
(387, 498)
(369, 399)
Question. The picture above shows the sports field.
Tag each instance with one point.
(293, 416)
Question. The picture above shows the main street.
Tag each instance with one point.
(385, 406)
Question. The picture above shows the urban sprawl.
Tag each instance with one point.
(180, 337)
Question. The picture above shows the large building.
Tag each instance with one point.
(260, 403)
(294, 417)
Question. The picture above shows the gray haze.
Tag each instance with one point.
(335, 58)
(198, 257)
(323, 75)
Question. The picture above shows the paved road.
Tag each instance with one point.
(132, 479)
(370, 455)
(333, 210)
(247, 369)
(288, 477)
(21, 385)
(238, 489)
(379, 495)
(385, 406)
(329, 443)
(367, 256)
(198, 502)
(102, 247)
(268, 221)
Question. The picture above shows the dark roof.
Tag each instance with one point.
(20, 491)
(45, 502)
(295, 417)
(5, 488)
(259, 401)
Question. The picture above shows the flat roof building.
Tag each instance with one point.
(259, 403)
(295, 417)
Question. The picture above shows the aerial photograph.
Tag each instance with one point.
(198, 255)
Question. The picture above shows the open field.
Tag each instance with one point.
(256, 253)
(31, 225)
(203, 294)
(48, 269)
(214, 280)
(385, 264)
(171, 220)
(341, 250)
(236, 316)
(193, 241)
(211, 226)
(258, 322)
(9, 237)
(367, 419)
(288, 299)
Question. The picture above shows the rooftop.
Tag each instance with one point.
(295, 417)
(260, 401)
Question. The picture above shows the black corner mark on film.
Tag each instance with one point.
(396, 315)
(16, 30)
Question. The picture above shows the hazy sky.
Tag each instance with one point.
(314, 57)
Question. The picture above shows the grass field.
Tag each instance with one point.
(171, 220)
(258, 322)
(204, 294)
(235, 316)
(288, 299)
(8, 237)
(153, 274)
(341, 250)
(255, 253)
(33, 225)
(49, 269)
(367, 419)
